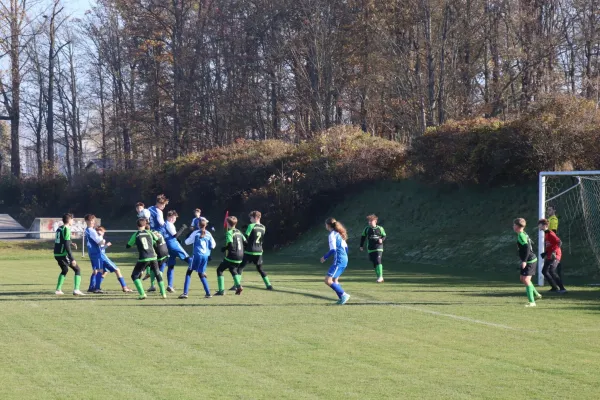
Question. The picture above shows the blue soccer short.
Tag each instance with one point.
(199, 264)
(176, 251)
(336, 270)
(96, 261)
(108, 265)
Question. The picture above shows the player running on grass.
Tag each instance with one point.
(94, 242)
(552, 255)
(108, 265)
(528, 263)
(144, 241)
(338, 249)
(234, 254)
(64, 256)
(375, 236)
(255, 234)
(203, 244)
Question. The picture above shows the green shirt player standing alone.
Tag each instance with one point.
(64, 256)
(374, 235)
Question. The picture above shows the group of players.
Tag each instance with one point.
(552, 256)
(158, 246)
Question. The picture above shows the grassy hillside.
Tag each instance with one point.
(453, 228)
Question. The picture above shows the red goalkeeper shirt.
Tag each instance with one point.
(552, 243)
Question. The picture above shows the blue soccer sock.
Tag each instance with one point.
(205, 284)
(186, 285)
(170, 276)
(162, 267)
(337, 289)
(99, 279)
(122, 282)
(92, 283)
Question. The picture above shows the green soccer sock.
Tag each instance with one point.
(161, 286)
(61, 280)
(139, 287)
(77, 280)
(535, 292)
(379, 271)
(237, 280)
(221, 283)
(152, 278)
(266, 281)
(529, 291)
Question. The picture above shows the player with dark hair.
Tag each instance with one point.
(144, 240)
(374, 235)
(64, 256)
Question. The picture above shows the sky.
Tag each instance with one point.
(77, 7)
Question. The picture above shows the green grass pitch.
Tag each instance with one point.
(423, 334)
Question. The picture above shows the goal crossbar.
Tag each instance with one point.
(542, 200)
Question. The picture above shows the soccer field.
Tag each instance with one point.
(421, 335)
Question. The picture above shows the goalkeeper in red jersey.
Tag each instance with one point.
(552, 256)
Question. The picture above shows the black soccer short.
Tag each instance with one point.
(252, 259)
(529, 270)
(63, 261)
(375, 257)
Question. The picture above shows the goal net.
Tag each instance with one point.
(574, 197)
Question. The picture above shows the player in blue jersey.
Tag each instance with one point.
(338, 249)
(141, 211)
(108, 265)
(157, 220)
(93, 242)
(175, 249)
(204, 243)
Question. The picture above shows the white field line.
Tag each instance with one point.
(426, 311)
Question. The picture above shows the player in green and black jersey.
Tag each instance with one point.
(255, 234)
(64, 256)
(144, 240)
(162, 254)
(234, 255)
(374, 235)
(528, 259)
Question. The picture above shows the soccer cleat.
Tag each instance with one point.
(220, 293)
(183, 296)
(151, 289)
(270, 287)
(344, 299)
(164, 296)
(553, 290)
(127, 290)
(147, 276)
(233, 288)
(530, 305)
(58, 292)
(91, 291)
(142, 297)
(170, 289)
(239, 290)
(99, 291)
(538, 296)
(379, 280)
(208, 296)
(562, 291)
(78, 293)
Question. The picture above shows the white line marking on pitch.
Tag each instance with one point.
(426, 311)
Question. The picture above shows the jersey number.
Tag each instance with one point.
(258, 237)
(145, 243)
(239, 243)
(57, 237)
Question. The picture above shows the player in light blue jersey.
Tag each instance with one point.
(157, 220)
(93, 242)
(108, 265)
(338, 249)
(175, 249)
(204, 243)
(141, 211)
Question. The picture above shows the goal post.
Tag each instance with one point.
(575, 196)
